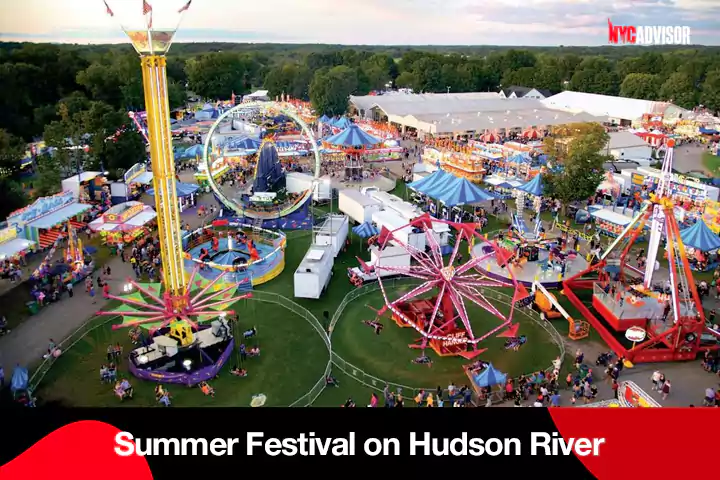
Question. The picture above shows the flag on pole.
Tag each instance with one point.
(147, 10)
(185, 7)
(107, 9)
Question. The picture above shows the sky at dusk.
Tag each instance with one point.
(358, 22)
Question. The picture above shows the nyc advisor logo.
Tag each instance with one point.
(648, 35)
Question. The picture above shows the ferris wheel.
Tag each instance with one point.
(437, 307)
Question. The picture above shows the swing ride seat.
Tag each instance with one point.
(578, 330)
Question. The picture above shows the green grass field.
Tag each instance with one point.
(292, 360)
(388, 356)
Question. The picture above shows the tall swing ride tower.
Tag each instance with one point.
(184, 297)
(152, 46)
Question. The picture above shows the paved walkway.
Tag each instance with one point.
(27, 343)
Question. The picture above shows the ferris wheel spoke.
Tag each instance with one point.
(434, 245)
(436, 308)
(457, 301)
(422, 259)
(456, 249)
(417, 291)
(479, 299)
(472, 263)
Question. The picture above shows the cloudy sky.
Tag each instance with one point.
(396, 22)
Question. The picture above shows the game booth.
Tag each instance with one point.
(220, 166)
(43, 222)
(124, 222)
(13, 246)
(135, 180)
(611, 222)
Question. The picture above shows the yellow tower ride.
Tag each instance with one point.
(152, 46)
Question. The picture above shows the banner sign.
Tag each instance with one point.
(41, 206)
(134, 172)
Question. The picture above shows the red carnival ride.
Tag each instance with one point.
(671, 315)
(442, 318)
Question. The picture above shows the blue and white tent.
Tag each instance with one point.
(701, 237)
(533, 187)
(490, 377)
(365, 230)
(353, 136)
(182, 189)
(462, 192)
(341, 122)
(324, 119)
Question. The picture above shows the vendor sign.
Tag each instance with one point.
(41, 206)
(8, 234)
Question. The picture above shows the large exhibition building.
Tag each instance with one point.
(442, 114)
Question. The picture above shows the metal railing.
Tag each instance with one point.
(304, 400)
(377, 383)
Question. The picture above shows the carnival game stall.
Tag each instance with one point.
(135, 181)
(124, 223)
(702, 246)
(501, 186)
(13, 246)
(43, 222)
(610, 223)
(220, 166)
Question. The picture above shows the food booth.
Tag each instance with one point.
(124, 222)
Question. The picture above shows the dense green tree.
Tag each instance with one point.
(330, 89)
(406, 80)
(380, 70)
(679, 89)
(12, 150)
(49, 177)
(644, 86)
(710, 95)
(219, 75)
(12, 196)
(577, 150)
(289, 78)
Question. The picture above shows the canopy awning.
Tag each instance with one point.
(182, 189)
(365, 230)
(533, 187)
(353, 136)
(142, 218)
(14, 246)
(144, 178)
(59, 216)
(700, 236)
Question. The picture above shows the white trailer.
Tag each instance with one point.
(314, 272)
(357, 206)
(401, 230)
(333, 231)
(392, 202)
(297, 182)
(391, 256)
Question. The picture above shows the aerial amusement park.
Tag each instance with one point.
(350, 282)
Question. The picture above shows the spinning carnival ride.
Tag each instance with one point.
(248, 210)
(442, 320)
(671, 314)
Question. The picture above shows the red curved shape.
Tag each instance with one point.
(78, 451)
(640, 443)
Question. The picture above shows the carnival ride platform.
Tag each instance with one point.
(226, 261)
(528, 272)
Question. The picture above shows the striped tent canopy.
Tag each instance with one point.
(353, 136)
(533, 187)
(700, 236)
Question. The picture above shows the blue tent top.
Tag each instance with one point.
(463, 192)
(490, 377)
(194, 151)
(182, 189)
(519, 158)
(353, 136)
(243, 143)
(701, 237)
(19, 380)
(365, 230)
(425, 182)
(341, 122)
(324, 119)
(533, 187)
(708, 131)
